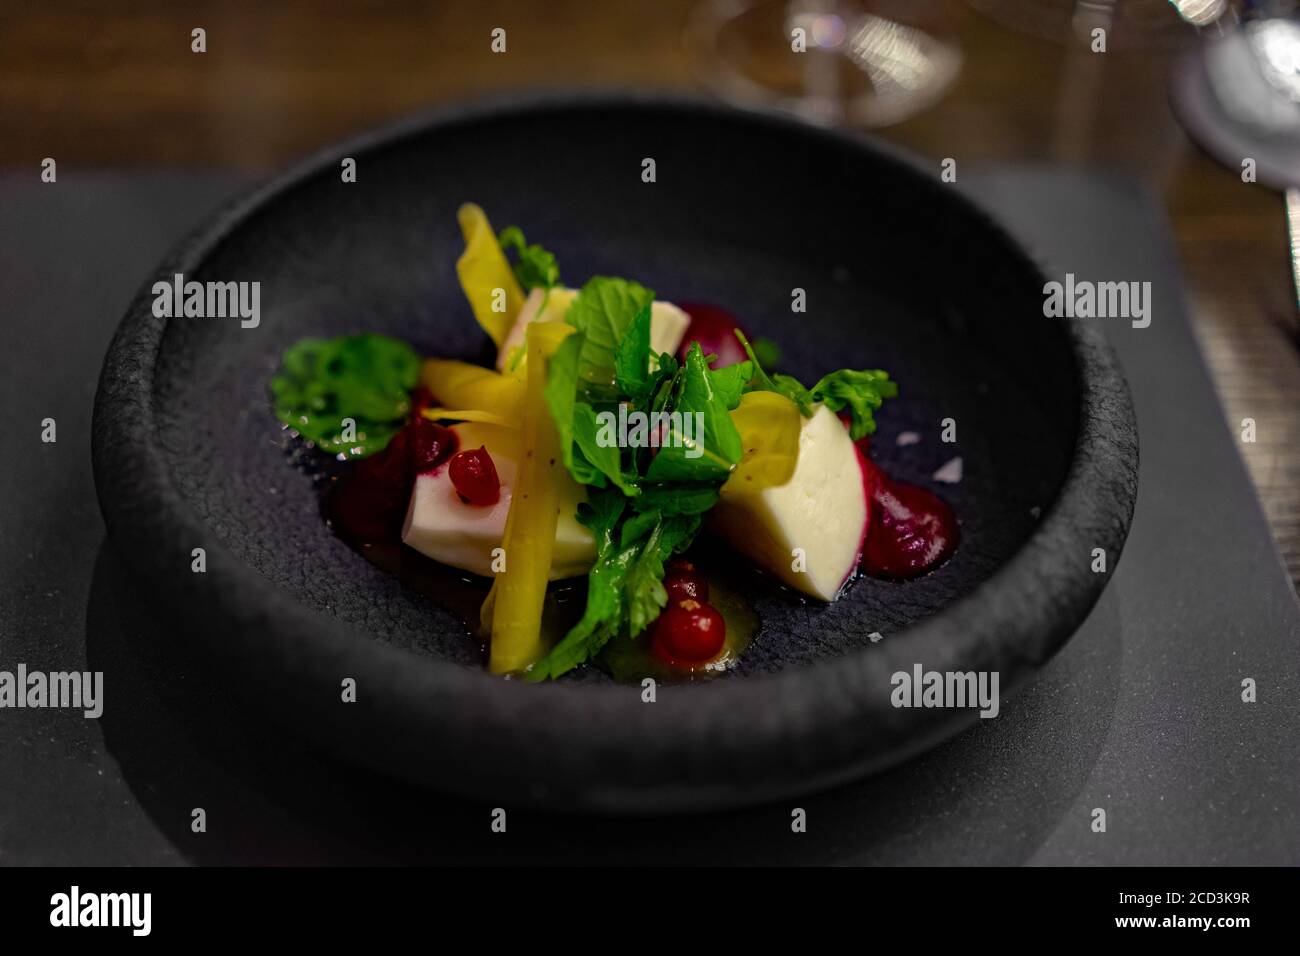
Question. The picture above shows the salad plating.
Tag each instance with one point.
(613, 430)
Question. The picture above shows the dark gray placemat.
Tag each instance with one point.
(1141, 714)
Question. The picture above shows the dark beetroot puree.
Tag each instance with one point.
(368, 504)
(911, 530)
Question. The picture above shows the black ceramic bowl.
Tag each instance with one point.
(900, 272)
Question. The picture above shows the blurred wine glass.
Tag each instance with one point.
(1129, 24)
(858, 62)
(1238, 95)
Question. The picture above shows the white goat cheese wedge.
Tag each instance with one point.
(444, 527)
(808, 532)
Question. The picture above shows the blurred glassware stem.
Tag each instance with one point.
(1254, 71)
(741, 47)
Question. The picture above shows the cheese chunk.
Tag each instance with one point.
(809, 531)
(443, 527)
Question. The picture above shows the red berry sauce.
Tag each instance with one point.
(911, 531)
(368, 504)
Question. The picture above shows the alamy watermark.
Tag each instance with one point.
(129, 910)
(77, 690)
(652, 430)
(947, 689)
(208, 300)
(1082, 299)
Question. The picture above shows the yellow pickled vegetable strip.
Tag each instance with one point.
(483, 270)
(769, 427)
(462, 385)
(513, 610)
(549, 305)
(467, 415)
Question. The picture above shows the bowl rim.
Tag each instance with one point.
(599, 747)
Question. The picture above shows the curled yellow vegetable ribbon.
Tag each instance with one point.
(459, 384)
(467, 415)
(486, 276)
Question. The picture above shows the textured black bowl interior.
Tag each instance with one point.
(899, 272)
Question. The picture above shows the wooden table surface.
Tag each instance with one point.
(92, 85)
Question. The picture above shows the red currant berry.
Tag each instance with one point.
(681, 587)
(474, 477)
(689, 631)
(684, 583)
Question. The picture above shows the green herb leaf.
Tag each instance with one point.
(632, 359)
(625, 591)
(637, 526)
(561, 396)
(705, 446)
(861, 392)
(588, 460)
(786, 385)
(604, 611)
(730, 382)
(768, 352)
(646, 595)
(604, 312)
(366, 378)
(535, 267)
(677, 498)
(605, 455)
